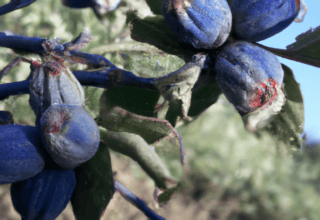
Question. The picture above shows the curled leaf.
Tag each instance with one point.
(150, 129)
(136, 148)
(176, 87)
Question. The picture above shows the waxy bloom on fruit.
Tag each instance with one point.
(256, 20)
(43, 196)
(21, 154)
(249, 76)
(204, 24)
(69, 134)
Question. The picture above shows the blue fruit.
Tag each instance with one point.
(69, 134)
(256, 20)
(52, 84)
(248, 75)
(204, 24)
(43, 196)
(21, 156)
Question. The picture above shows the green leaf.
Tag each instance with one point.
(288, 125)
(155, 6)
(168, 150)
(205, 92)
(151, 64)
(135, 100)
(305, 39)
(151, 129)
(306, 49)
(136, 148)
(95, 186)
(125, 47)
(115, 118)
(176, 87)
(155, 31)
(168, 194)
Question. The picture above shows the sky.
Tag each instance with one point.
(307, 76)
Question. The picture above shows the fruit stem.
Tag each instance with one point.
(134, 200)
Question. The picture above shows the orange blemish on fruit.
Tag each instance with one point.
(297, 5)
(264, 94)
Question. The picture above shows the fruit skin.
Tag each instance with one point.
(256, 20)
(45, 195)
(69, 134)
(205, 24)
(52, 84)
(248, 75)
(21, 154)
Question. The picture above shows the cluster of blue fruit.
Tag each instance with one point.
(249, 76)
(39, 161)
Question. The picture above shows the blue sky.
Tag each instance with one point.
(307, 76)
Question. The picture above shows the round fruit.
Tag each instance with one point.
(53, 84)
(43, 196)
(70, 135)
(256, 20)
(204, 24)
(21, 156)
(248, 75)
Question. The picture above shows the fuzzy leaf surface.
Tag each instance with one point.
(155, 31)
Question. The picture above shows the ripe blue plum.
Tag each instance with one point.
(249, 76)
(45, 195)
(69, 134)
(21, 154)
(256, 20)
(204, 24)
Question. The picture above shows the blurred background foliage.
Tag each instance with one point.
(229, 172)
